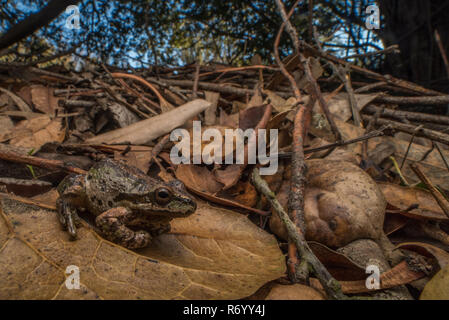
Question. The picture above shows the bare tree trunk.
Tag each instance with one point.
(411, 24)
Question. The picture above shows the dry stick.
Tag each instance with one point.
(370, 87)
(311, 33)
(293, 264)
(441, 154)
(430, 101)
(370, 135)
(141, 96)
(442, 51)
(410, 145)
(417, 168)
(412, 116)
(284, 71)
(210, 87)
(369, 128)
(393, 48)
(316, 92)
(330, 285)
(158, 148)
(39, 162)
(27, 201)
(344, 77)
(318, 95)
(371, 74)
(425, 133)
(234, 69)
(195, 82)
(121, 100)
(78, 103)
(143, 81)
(53, 74)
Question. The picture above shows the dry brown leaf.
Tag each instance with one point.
(213, 254)
(279, 104)
(227, 120)
(394, 222)
(340, 266)
(256, 100)
(36, 132)
(438, 287)
(294, 292)
(250, 117)
(199, 178)
(230, 175)
(208, 157)
(401, 274)
(210, 117)
(137, 156)
(242, 192)
(342, 204)
(339, 105)
(428, 250)
(403, 198)
(17, 100)
(44, 99)
(433, 165)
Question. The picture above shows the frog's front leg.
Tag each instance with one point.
(68, 217)
(112, 224)
(71, 190)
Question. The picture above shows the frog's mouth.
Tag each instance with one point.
(163, 212)
(178, 207)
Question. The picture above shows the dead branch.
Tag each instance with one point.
(39, 162)
(411, 129)
(146, 130)
(330, 285)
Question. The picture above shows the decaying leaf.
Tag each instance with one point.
(438, 287)
(339, 105)
(339, 265)
(44, 99)
(213, 254)
(342, 204)
(428, 250)
(294, 292)
(199, 178)
(399, 275)
(137, 156)
(36, 132)
(403, 199)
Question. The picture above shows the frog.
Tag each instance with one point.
(130, 208)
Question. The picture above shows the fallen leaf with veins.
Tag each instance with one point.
(438, 287)
(402, 199)
(213, 254)
(43, 99)
(36, 132)
(294, 292)
(429, 251)
(399, 275)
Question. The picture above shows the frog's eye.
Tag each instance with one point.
(163, 196)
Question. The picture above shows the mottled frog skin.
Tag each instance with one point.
(130, 207)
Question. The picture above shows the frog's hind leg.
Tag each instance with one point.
(113, 222)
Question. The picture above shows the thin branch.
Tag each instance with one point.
(330, 285)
